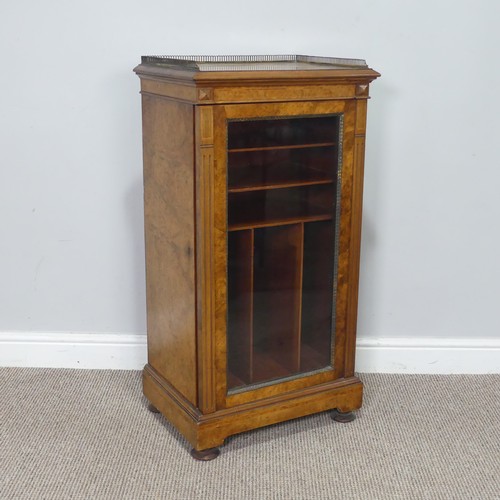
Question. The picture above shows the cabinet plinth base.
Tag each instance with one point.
(209, 431)
(343, 417)
(205, 455)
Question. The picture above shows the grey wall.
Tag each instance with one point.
(71, 248)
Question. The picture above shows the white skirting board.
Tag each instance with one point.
(428, 355)
(112, 351)
(118, 351)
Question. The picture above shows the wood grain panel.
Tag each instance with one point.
(170, 246)
(283, 109)
(344, 240)
(357, 203)
(355, 230)
(219, 365)
(205, 276)
(280, 93)
(205, 124)
(284, 77)
(169, 89)
(170, 403)
(361, 108)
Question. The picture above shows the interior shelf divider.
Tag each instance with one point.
(250, 313)
(241, 311)
(298, 298)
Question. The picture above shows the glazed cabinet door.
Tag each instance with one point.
(282, 186)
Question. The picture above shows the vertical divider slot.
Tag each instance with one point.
(240, 307)
(317, 292)
(299, 278)
(277, 301)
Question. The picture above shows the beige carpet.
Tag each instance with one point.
(87, 434)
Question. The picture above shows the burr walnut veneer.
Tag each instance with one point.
(253, 180)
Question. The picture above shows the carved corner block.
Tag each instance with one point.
(362, 90)
(205, 94)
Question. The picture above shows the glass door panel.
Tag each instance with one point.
(282, 219)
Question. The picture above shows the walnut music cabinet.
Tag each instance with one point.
(253, 182)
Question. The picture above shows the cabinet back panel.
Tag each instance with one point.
(169, 229)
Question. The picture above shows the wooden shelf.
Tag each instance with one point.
(256, 178)
(273, 185)
(281, 146)
(269, 208)
(274, 169)
(284, 221)
(282, 133)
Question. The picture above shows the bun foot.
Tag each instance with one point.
(343, 417)
(205, 455)
(152, 408)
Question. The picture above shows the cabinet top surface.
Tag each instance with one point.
(226, 68)
(254, 63)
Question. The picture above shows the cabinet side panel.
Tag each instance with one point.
(169, 228)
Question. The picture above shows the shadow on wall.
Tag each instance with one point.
(126, 110)
(134, 207)
(375, 198)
